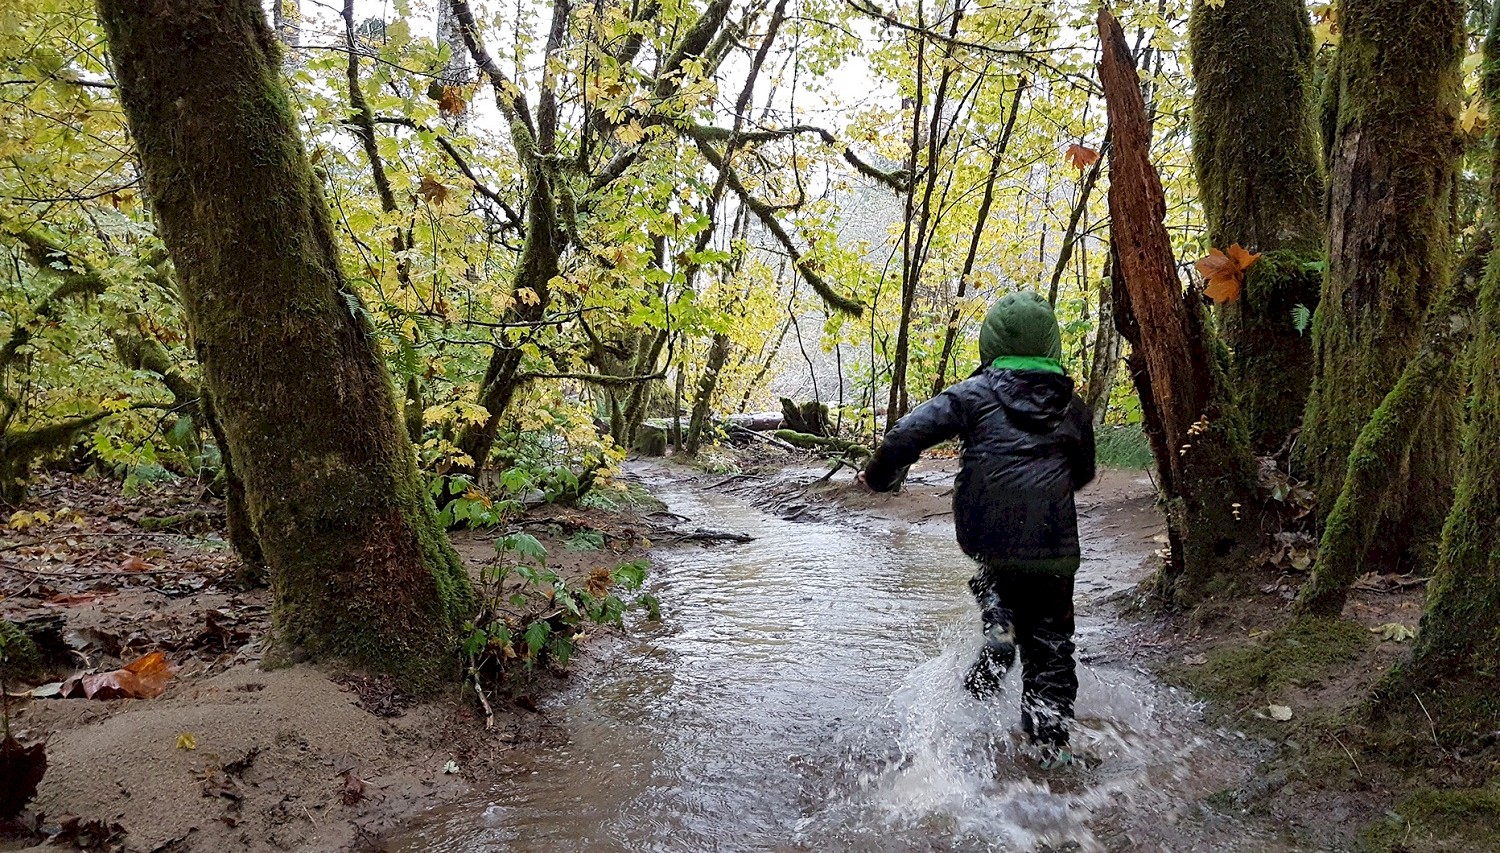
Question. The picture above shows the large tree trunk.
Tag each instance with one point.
(1453, 664)
(1209, 474)
(1394, 101)
(359, 567)
(1256, 158)
(1383, 451)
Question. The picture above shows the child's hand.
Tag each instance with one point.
(859, 478)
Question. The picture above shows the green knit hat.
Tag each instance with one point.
(1020, 324)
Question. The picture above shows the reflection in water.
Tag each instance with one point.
(804, 694)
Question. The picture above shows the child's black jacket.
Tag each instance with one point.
(1028, 444)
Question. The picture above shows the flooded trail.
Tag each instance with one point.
(804, 693)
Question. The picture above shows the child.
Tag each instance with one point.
(1028, 445)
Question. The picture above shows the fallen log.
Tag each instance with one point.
(818, 442)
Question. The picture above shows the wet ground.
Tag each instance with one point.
(803, 693)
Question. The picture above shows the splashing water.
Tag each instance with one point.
(805, 694)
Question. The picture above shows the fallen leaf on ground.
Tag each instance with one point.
(354, 789)
(143, 678)
(1280, 712)
(82, 834)
(187, 740)
(1195, 660)
(21, 770)
(451, 767)
(135, 564)
(72, 599)
(1394, 632)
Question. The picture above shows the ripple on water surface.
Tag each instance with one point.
(804, 694)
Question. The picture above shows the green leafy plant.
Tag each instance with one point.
(530, 617)
(1301, 318)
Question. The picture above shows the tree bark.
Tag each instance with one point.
(718, 354)
(1108, 348)
(1394, 148)
(1209, 474)
(1453, 663)
(359, 567)
(1383, 452)
(1256, 158)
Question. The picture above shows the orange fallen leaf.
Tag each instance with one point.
(135, 564)
(1081, 156)
(143, 678)
(1224, 273)
(68, 599)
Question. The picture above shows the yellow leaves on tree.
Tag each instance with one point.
(528, 296)
(1081, 156)
(1474, 118)
(1224, 273)
(143, 678)
(1325, 26)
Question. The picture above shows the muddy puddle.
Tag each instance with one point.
(804, 693)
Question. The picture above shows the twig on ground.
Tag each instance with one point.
(1351, 756)
(1431, 723)
(102, 572)
(484, 702)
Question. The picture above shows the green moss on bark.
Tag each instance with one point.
(359, 568)
(1255, 154)
(1272, 367)
(1393, 155)
(1452, 681)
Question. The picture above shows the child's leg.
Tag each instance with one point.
(998, 654)
(1044, 631)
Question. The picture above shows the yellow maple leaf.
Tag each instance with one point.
(631, 133)
(187, 740)
(1475, 117)
(528, 296)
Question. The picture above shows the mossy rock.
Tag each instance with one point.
(1430, 821)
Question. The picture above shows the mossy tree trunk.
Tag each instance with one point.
(1208, 472)
(1255, 154)
(1392, 107)
(359, 568)
(718, 355)
(1453, 664)
(1382, 454)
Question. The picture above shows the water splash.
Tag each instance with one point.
(807, 696)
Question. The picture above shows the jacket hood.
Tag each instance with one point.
(1035, 400)
(1020, 324)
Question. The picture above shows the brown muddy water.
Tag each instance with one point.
(804, 693)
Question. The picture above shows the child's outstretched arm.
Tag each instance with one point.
(931, 423)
